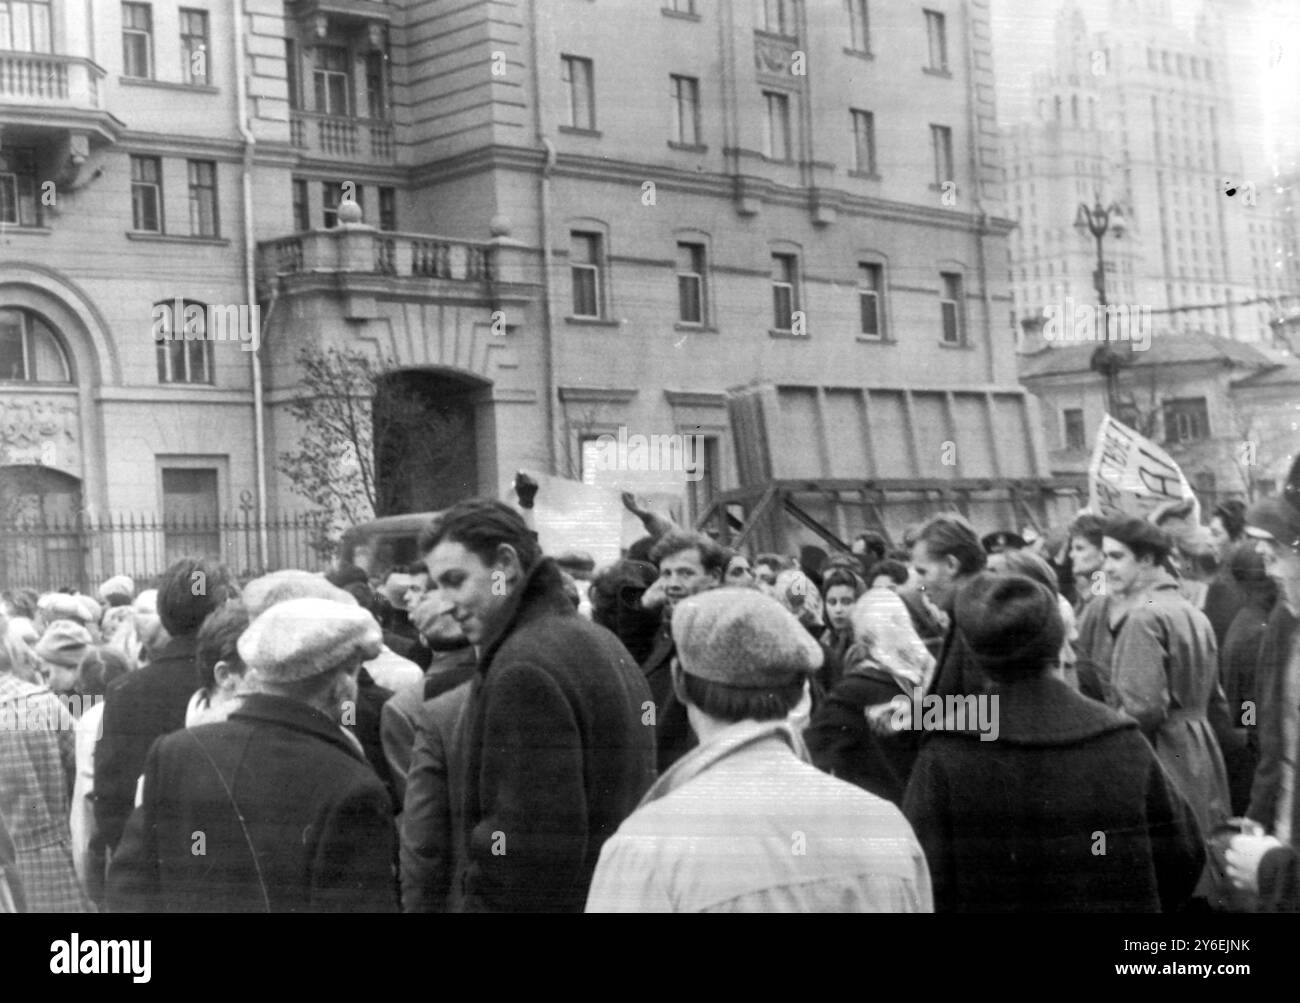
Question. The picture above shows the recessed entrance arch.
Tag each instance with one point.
(426, 440)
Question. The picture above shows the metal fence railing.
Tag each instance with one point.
(81, 551)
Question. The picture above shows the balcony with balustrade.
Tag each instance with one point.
(361, 141)
(359, 262)
(43, 94)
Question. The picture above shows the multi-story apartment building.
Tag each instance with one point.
(555, 219)
(1169, 122)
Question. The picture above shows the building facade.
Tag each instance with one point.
(548, 233)
(1169, 120)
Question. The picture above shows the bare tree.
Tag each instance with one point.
(336, 465)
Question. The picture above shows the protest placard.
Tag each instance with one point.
(1130, 475)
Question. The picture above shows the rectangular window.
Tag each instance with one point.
(291, 73)
(387, 209)
(950, 305)
(194, 46)
(19, 205)
(870, 287)
(686, 110)
(859, 35)
(936, 34)
(584, 264)
(776, 16)
(690, 283)
(864, 142)
(333, 85)
(578, 77)
(331, 195)
(1186, 420)
(181, 360)
(25, 26)
(681, 6)
(941, 144)
(1076, 438)
(191, 525)
(776, 126)
(137, 40)
(301, 213)
(704, 452)
(785, 290)
(203, 199)
(377, 85)
(146, 194)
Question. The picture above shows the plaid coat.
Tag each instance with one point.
(37, 760)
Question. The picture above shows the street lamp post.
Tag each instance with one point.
(1098, 221)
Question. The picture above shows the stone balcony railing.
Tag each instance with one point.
(337, 137)
(50, 80)
(363, 250)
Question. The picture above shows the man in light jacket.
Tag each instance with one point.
(743, 823)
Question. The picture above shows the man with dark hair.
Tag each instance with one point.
(870, 547)
(558, 744)
(1160, 667)
(715, 832)
(688, 563)
(1014, 825)
(1085, 558)
(216, 656)
(151, 702)
(945, 554)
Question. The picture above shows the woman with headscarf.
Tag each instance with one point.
(851, 735)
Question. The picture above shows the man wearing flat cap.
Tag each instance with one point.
(274, 809)
(1068, 809)
(1161, 668)
(743, 823)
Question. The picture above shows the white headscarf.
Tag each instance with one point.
(883, 633)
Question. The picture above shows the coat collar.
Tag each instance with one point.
(177, 647)
(541, 593)
(740, 737)
(1044, 711)
(296, 715)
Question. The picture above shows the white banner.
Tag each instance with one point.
(1129, 475)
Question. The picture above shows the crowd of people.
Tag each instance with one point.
(693, 728)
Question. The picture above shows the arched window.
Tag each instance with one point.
(184, 343)
(30, 351)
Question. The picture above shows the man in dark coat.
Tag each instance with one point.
(1068, 810)
(946, 554)
(560, 743)
(274, 809)
(688, 563)
(142, 706)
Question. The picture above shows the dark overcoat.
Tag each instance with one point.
(1067, 810)
(560, 750)
(272, 810)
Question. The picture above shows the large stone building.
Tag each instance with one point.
(570, 217)
(1170, 120)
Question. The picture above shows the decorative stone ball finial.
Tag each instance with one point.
(349, 212)
(500, 226)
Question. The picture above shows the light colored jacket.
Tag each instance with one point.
(745, 824)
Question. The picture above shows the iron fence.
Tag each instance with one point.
(81, 551)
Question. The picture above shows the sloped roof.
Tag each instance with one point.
(1282, 375)
(1165, 350)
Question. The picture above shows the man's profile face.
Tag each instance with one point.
(1084, 557)
(472, 591)
(1219, 536)
(1123, 569)
(936, 574)
(683, 574)
(1282, 564)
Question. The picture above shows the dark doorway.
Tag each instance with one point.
(426, 447)
(41, 543)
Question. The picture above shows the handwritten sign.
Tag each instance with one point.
(1129, 475)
